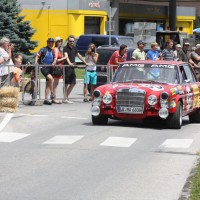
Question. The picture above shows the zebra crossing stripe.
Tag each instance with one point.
(64, 139)
(176, 143)
(118, 142)
(11, 137)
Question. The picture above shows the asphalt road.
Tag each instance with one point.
(55, 153)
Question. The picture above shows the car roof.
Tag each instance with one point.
(164, 62)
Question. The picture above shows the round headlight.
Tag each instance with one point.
(97, 93)
(163, 113)
(95, 110)
(152, 100)
(164, 95)
(107, 98)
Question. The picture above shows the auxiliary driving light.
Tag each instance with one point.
(95, 110)
(163, 113)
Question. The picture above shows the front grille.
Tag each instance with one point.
(130, 100)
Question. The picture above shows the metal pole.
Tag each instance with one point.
(172, 15)
(110, 16)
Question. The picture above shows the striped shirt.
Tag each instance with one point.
(168, 54)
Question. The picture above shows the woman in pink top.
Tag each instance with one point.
(118, 57)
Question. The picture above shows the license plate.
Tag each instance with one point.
(131, 110)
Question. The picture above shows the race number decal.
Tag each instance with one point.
(195, 96)
(188, 98)
(153, 87)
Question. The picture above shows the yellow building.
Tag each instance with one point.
(53, 18)
(63, 18)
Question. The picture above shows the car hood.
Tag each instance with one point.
(149, 88)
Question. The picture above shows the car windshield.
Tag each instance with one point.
(159, 73)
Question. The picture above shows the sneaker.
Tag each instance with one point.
(85, 100)
(67, 101)
(52, 95)
(47, 102)
(56, 101)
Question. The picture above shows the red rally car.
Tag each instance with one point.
(143, 89)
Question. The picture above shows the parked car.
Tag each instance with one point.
(167, 90)
(99, 40)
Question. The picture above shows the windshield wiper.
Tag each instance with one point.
(156, 81)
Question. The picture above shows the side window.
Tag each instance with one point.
(183, 74)
(189, 73)
(83, 41)
(99, 41)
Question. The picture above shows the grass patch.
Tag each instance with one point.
(195, 191)
(79, 73)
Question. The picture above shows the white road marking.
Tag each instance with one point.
(74, 117)
(32, 115)
(5, 121)
(11, 137)
(118, 142)
(64, 139)
(193, 124)
(176, 143)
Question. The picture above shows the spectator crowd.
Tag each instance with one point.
(51, 60)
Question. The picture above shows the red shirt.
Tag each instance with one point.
(120, 58)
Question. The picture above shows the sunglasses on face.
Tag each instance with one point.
(71, 40)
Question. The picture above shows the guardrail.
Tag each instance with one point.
(31, 86)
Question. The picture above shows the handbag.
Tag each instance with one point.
(57, 71)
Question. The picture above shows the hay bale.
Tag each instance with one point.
(9, 99)
(8, 109)
(11, 102)
(9, 92)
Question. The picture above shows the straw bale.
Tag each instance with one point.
(9, 92)
(11, 102)
(8, 109)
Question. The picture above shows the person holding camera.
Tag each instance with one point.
(90, 76)
(7, 67)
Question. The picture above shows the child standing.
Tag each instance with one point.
(17, 74)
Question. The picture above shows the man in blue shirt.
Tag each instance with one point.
(153, 54)
(46, 57)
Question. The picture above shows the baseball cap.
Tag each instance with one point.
(178, 45)
(187, 43)
(140, 42)
(197, 45)
(58, 39)
(50, 40)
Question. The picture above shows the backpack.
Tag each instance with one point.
(43, 55)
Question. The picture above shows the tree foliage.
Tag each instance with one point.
(14, 27)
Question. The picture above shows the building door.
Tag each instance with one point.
(92, 25)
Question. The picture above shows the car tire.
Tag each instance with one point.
(195, 117)
(99, 120)
(174, 120)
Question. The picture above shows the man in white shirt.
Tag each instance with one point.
(7, 66)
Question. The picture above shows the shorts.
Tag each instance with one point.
(91, 77)
(46, 70)
(70, 76)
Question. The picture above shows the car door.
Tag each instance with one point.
(191, 88)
